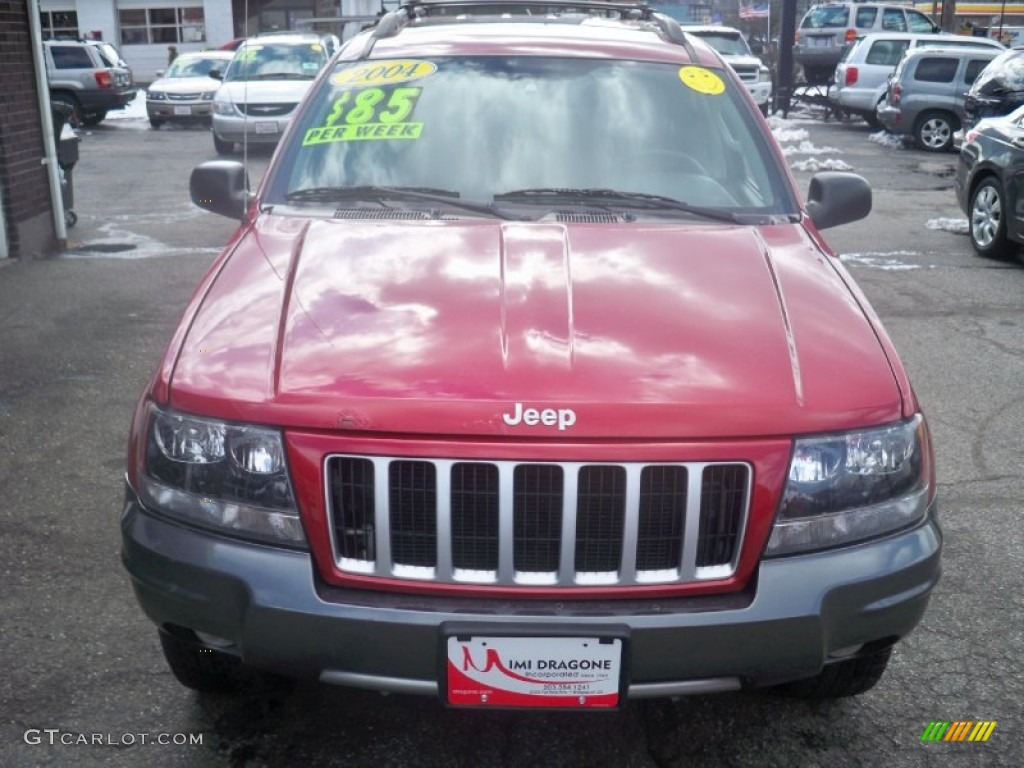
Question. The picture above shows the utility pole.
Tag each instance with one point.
(948, 22)
(787, 38)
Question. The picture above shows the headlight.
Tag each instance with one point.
(156, 95)
(223, 107)
(208, 96)
(846, 488)
(764, 74)
(224, 476)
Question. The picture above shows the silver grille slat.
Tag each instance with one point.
(722, 520)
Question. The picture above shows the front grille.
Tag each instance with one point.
(534, 524)
(265, 110)
(747, 74)
(184, 96)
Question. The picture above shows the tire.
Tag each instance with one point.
(207, 670)
(872, 117)
(76, 111)
(154, 123)
(223, 147)
(818, 75)
(841, 678)
(93, 118)
(70, 218)
(933, 131)
(201, 668)
(986, 221)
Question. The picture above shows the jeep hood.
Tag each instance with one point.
(647, 330)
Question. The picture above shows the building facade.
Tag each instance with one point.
(143, 30)
(26, 212)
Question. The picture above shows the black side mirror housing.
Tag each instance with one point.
(221, 186)
(837, 197)
(216, 74)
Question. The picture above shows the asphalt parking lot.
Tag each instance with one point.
(85, 682)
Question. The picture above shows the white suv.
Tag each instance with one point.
(732, 46)
(827, 30)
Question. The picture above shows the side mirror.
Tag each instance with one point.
(836, 197)
(220, 186)
(216, 74)
(160, 73)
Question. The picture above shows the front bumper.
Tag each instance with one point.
(264, 130)
(178, 110)
(280, 616)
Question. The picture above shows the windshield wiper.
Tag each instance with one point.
(379, 194)
(632, 199)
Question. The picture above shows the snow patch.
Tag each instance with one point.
(135, 110)
(814, 165)
(956, 226)
(807, 148)
(122, 244)
(886, 139)
(888, 261)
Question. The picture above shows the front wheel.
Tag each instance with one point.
(934, 131)
(93, 118)
(987, 221)
(842, 678)
(223, 147)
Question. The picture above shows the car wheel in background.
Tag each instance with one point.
(154, 123)
(93, 118)
(934, 131)
(223, 147)
(872, 117)
(987, 221)
(72, 103)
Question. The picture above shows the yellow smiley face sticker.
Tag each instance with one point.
(702, 80)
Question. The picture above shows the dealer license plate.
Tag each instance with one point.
(821, 42)
(562, 672)
(183, 110)
(266, 126)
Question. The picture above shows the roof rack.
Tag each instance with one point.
(392, 23)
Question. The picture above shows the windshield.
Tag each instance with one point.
(194, 67)
(276, 61)
(724, 43)
(534, 129)
(823, 16)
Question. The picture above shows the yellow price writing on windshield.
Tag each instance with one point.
(388, 72)
(358, 107)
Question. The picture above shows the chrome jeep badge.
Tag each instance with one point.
(549, 417)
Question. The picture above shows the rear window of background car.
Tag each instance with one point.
(886, 52)
(936, 69)
(974, 67)
(866, 17)
(70, 57)
(826, 16)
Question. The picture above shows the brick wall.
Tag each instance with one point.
(23, 177)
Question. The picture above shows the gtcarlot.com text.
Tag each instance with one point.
(55, 737)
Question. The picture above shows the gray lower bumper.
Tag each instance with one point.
(281, 616)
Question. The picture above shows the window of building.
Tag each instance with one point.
(59, 24)
(141, 26)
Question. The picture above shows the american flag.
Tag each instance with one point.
(759, 11)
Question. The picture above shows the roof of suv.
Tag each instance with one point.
(576, 35)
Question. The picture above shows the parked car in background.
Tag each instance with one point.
(89, 76)
(732, 46)
(828, 29)
(527, 359)
(263, 84)
(863, 74)
(925, 95)
(998, 90)
(184, 93)
(987, 184)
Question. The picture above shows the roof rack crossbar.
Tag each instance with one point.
(391, 23)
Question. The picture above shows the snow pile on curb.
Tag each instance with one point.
(814, 165)
(956, 226)
(886, 139)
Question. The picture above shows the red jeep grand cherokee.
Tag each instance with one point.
(527, 380)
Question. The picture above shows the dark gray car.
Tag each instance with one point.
(925, 97)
